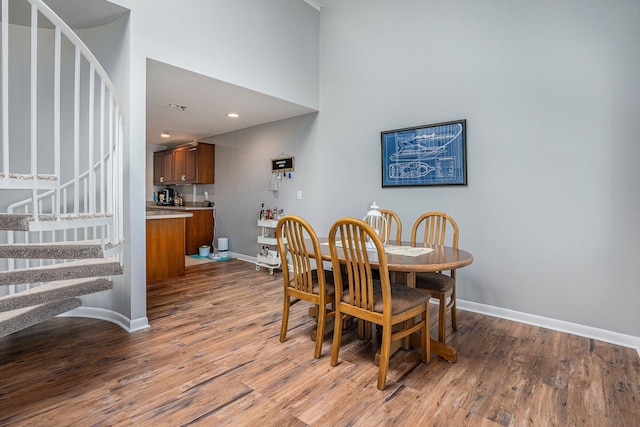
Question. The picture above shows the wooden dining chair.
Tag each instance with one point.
(376, 301)
(431, 229)
(304, 281)
(393, 222)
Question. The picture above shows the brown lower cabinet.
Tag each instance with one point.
(199, 230)
(165, 248)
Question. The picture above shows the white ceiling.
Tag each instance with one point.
(207, 100)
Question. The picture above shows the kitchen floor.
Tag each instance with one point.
(190, 260)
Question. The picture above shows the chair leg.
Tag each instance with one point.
(426, 336)
(442, 318)
(322, 311)
(454, 312)
(364, 330)
(385, 349)
(337, 336)
(285, 319)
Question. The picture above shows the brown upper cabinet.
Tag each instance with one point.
(162, 167)
(189, 164)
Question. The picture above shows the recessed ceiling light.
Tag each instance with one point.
(165, 135)
(233, 115)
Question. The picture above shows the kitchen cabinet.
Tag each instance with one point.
(198, 225)
(189, 164)
(162, 167)
(191, 157)
(165, 243)
(178, 166)
(199, 230)
(199, 163)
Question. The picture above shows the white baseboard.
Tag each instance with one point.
(242, 257)
(531, 319)
(556, 325)
(110, 316)
(503, 313)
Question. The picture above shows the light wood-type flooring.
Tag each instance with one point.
(212, 357)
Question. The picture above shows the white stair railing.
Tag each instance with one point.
(82, 178)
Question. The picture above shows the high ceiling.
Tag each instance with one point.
(207, 102)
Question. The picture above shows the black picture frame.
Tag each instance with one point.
(434, 154)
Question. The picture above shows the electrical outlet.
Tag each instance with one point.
(299, 195)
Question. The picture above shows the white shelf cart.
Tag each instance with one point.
(268, 258)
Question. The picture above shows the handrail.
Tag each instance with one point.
(76, 41)
(12, 207)
(95, 186)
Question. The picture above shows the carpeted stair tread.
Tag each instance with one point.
(29, 177)
(15, 320)
(56, 250)
(16, 181)
(63, 271)
(14, 222)
(23, 222)
(54, 291)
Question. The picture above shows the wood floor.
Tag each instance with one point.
(212, 357)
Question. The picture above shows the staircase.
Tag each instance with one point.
(61, 229)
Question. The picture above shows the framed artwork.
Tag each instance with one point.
(434, 154)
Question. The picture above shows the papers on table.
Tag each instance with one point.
(405, 250)
(398, 250)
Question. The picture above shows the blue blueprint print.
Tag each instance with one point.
(426, 155)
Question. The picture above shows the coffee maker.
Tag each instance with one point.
(166, 197)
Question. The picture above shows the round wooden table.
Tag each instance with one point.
(441, 258)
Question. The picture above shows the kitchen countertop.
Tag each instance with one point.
(197, 206)
(166, 214)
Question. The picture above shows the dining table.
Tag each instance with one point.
(408, 259)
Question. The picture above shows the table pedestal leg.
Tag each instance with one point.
(329, 322)
(328, 327)
(446, 352)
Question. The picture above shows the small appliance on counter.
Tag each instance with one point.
(165, 197)
(207, 202)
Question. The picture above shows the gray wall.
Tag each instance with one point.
(550, 94)
(267, 46)
(110, 45)
(243, 173)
